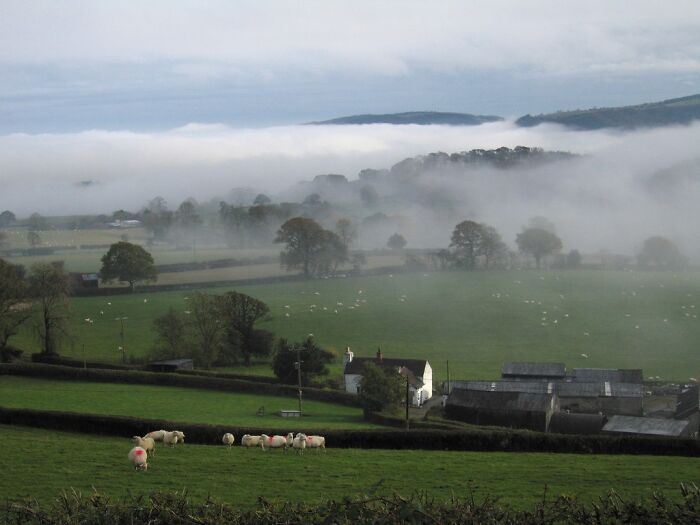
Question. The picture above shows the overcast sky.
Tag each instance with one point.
(76, 65)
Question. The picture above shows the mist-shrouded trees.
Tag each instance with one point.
(7, 218)
(313, 361)
(15, 307)
(206, 326)
(380, 388)
(396, 242)
(239, 313)
(128, 263)
(310, 248)
(37, 223)
(473, 241)
(661, 253)
(261, 199)
(539, 243)
(157, 219)
(49, 287)
(33, 238)
(347, 231)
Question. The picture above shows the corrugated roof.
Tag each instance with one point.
(614, 375)
(534, 369)
(416, 366)
(501, 400)
(645, 425)
(532, 387)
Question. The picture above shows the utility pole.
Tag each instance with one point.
(407, 396)
(448, 377)
(121, 337)
(297, 365)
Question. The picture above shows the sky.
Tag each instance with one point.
(77, 65)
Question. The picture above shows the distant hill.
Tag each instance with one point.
(666, 113)
(413, 117)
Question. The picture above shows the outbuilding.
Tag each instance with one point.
(648, 426)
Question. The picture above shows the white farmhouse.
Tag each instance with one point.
(419, 372)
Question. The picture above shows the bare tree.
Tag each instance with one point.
(49, 286)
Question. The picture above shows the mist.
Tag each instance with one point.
(624, 186)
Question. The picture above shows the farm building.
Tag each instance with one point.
(602, 397)
(601, 375)
(533, 371)
(569, 423)
(418, 371)
(648, 426)
(502, 408)
(170, 365)
(528, 387)
(84, 281)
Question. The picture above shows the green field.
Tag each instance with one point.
(174, 404)
(475, 320)
(42, 463)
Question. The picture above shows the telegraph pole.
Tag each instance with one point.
(297, 365)
(121, 337)
(407, 396)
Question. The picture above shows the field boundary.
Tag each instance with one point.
(180, 380)
(476, 440)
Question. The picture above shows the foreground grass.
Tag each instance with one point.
(43, 463)
(175, 404)
(476, 320)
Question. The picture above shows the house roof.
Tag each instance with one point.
(553, 370)
(599, 389)
(416, 366)
(614, 375)
(532, 387)
(518, 401)
(645, 425)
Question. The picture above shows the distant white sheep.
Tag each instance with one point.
(249, 441)
(146, 443)
(228, 439)
(138, 458)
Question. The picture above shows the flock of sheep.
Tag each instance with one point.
(138, 455)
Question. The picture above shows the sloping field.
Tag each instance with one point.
(44, 463)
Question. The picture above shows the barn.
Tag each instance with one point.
(533, 371)
(648, 426)
(418, 371)
(531, 411)
(602, 397)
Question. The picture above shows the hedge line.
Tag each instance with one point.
(474, 440)
(216, 263)
(75, 363)
(168, 508)
(176, 380)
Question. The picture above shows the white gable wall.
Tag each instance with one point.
(420, 396)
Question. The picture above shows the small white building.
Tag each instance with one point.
(419, 371)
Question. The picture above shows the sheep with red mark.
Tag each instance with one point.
(316, 442)
(273, 442)
(146, 443)
(138, 458)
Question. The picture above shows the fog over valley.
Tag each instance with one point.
(621, 186)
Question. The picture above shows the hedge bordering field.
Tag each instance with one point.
(486, 440)
(167, 508)
(177, 380)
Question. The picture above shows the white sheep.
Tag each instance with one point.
(146, 443)
(156, 435)
(138, 458)
(228, 440)
(316, 442)
(299, 443)
(273, 442)
(174, 437)
(250, 441)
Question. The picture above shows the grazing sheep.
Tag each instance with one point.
(156, 435)
(138, 458)
(174, 437)
(299, 443)
(228, 440)
(146, 443)
(273, 442)
(250, 441)
(316, 442)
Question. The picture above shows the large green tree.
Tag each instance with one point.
(239, 313)
(49, 286)
(381, 388)
(660, 252)
(172, 340)
(538, 242)
(313, 361)
(15, 307)
(128, 263)
(310, 248)
(7, 218)
(206, 327)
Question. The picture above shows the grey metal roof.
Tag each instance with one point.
(534, 369)
(614, 375)
(599, 389)
(501, 400)
(416, 366)
(645, 425)
(173, 362)
(532, 387)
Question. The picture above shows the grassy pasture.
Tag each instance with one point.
(175, 404)
(44, 463)
(475, 320)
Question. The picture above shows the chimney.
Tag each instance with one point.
(379, 355)
(347, 356)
